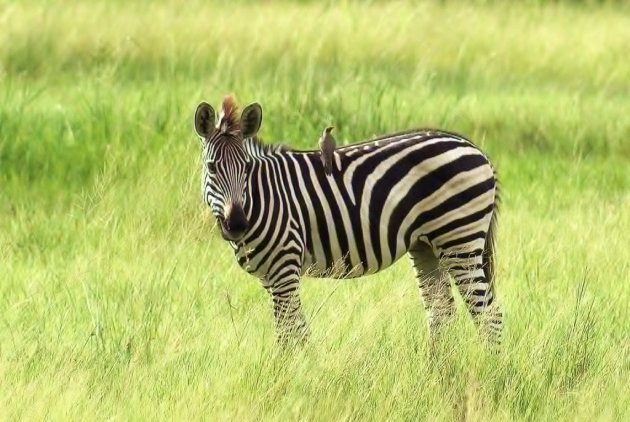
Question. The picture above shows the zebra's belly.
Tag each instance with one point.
(341, 265)
(338, 265)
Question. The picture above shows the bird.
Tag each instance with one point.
(327, 148)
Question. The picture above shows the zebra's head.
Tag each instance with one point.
(226, 163)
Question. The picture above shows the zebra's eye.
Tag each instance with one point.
(212, 167)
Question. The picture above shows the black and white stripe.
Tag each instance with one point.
(426, 193)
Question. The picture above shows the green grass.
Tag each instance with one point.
(119, 300)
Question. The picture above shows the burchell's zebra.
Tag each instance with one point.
(427, 193)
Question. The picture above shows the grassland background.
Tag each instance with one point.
(118, 299)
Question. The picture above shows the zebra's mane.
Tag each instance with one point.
(257, 148)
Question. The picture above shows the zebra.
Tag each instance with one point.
(429, 194)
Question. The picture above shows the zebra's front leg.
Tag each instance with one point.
(291, 325)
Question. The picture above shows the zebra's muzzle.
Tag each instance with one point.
(234, 225)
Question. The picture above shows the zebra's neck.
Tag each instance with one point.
(270, 208)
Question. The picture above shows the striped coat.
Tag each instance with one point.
(428, 194)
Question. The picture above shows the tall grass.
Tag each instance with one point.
(118, 299)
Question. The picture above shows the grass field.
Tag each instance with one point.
(119, 300)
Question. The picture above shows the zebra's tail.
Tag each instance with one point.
(489, 249)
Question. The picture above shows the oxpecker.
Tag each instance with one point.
(327, 147)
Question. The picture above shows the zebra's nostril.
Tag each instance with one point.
(235, 223)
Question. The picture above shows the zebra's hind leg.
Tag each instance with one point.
(435, 288)
(477, 291)
(291, 325)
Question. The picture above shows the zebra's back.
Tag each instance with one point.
(385, 195)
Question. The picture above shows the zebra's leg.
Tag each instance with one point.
(467, 268)
(291, 324)
(435, 288)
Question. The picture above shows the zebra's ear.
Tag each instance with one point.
(204, 120)
(251, 118)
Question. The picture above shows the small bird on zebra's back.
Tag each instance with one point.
(327, 145)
